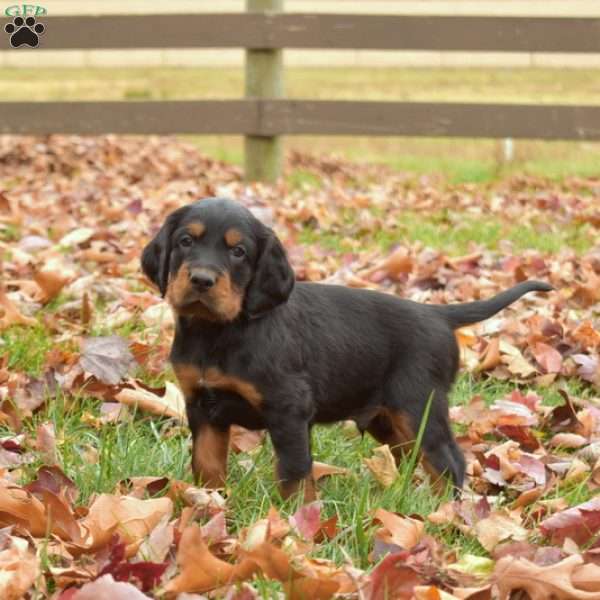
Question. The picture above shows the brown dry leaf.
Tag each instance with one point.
(18, 568)
(131, 518)
(397, 263)
(499, 526)
(51, 283)
(444, 515)
(547, 357)
(244, 440)
(398, 530)
(200, 570)
(518, 365)
(10, 314)
(303, 588)
(19, 507)
(45, 443)
(171, 404)
(556, 581)
(87, 310)
(382, 465)
(320, 469)
(490, 358)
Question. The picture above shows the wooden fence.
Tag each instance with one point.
(264, 115)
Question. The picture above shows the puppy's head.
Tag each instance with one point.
(214, 260)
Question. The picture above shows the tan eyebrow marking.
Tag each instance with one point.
(196, 229)
(233, 237)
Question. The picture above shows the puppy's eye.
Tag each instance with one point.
(186, 241)
(238, 251)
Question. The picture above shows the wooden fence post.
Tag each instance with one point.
(264, 79)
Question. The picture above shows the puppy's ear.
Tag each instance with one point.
(157, 255)
(273, 279)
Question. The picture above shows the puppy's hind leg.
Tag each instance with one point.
(440, 454)
(385, 431)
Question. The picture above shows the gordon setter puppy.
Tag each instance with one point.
(255, 348)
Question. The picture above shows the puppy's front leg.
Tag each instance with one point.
(291, 440)
(210, 446)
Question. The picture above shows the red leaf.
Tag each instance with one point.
(308, 520)
(148, 574)
(393, 579)
(580, 523)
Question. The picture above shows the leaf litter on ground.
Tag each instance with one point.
(74, 215)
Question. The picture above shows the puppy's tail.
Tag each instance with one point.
(459, 315)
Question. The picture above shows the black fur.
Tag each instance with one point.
(318, 353)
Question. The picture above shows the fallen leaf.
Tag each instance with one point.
(320, 470)
(547, 357)
(244, 440)
(200, 570)
(393, 579)
(556, 581)
(107, 358)
(307, 520)
(18, 569)
(106, 588)
(45, 443)
(580, 523)
(490, 358)
(10, 315)
(382, 465)
(404, 532)
(171, 404)
(499, 526)
(567, 440)
(131, 518)
(51, 283)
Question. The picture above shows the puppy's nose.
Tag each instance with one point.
(202, 280)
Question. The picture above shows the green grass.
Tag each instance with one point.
(461, 160)
(454, 233)
(97, 459)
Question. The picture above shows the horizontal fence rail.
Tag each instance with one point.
(303, 117)
(332, 31)
(264, 115)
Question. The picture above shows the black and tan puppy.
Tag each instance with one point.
(254, 348)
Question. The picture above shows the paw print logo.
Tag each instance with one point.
(24, 32)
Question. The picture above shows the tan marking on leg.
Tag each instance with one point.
(438, 480)
(233, 237)
(307, 486)
(400, 438)
(196, 229)
(227, 299)
(209, 456)
(404, 431)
